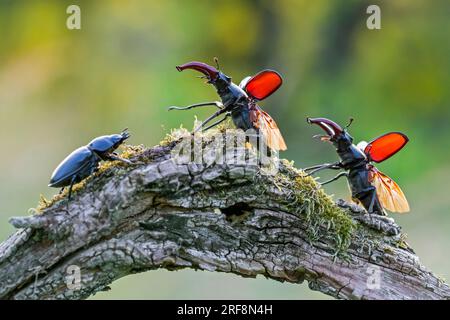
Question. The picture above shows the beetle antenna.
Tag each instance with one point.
(350, 121)
(216, 60)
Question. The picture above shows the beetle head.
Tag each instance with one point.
(215, 77)
(106, 144)
(340, 138)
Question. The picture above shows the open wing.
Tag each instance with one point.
(269, 129)
(262, 85)
(386, 146)
(389, 193)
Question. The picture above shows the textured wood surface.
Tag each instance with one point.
(216, 217)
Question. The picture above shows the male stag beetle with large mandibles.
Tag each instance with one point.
(84, 161)
(240, 102)
(373, 189)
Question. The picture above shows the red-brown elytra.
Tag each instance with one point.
(370, 187)
(240, 102)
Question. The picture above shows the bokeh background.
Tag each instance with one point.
(59, 88)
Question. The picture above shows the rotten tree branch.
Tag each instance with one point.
(216, 217)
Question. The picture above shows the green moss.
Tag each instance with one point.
(226, 125)
(42, 204)
(388, 249)
(401, 242)
(206, 136)
(174, 135)
(309, 198)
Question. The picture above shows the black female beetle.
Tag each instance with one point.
(373, 189)
(84, 161)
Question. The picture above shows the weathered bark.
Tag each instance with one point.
(216, 217)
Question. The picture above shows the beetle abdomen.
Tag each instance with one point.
(79, 163)
(359, 180)
(241, 119)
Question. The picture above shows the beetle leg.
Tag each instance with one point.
(372, 202)
(72, 182)
(216, 114)
(342, 174)
(314, 169)
(203, 104)
(61, 191)
(218, 122)
(113, 157)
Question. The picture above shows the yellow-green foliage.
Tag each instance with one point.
(174, 135)
(180, 133)
(320, 209)
(128, 152)
(401, 243)
(226, 125)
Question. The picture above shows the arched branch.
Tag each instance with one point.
(220, 217)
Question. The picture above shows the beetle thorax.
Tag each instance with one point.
(351, 155)
(232, 94)
(105, 144)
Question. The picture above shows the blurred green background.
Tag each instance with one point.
(59, 88)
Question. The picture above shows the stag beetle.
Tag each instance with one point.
(240, 102)
(373, 189)
(84, 161)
